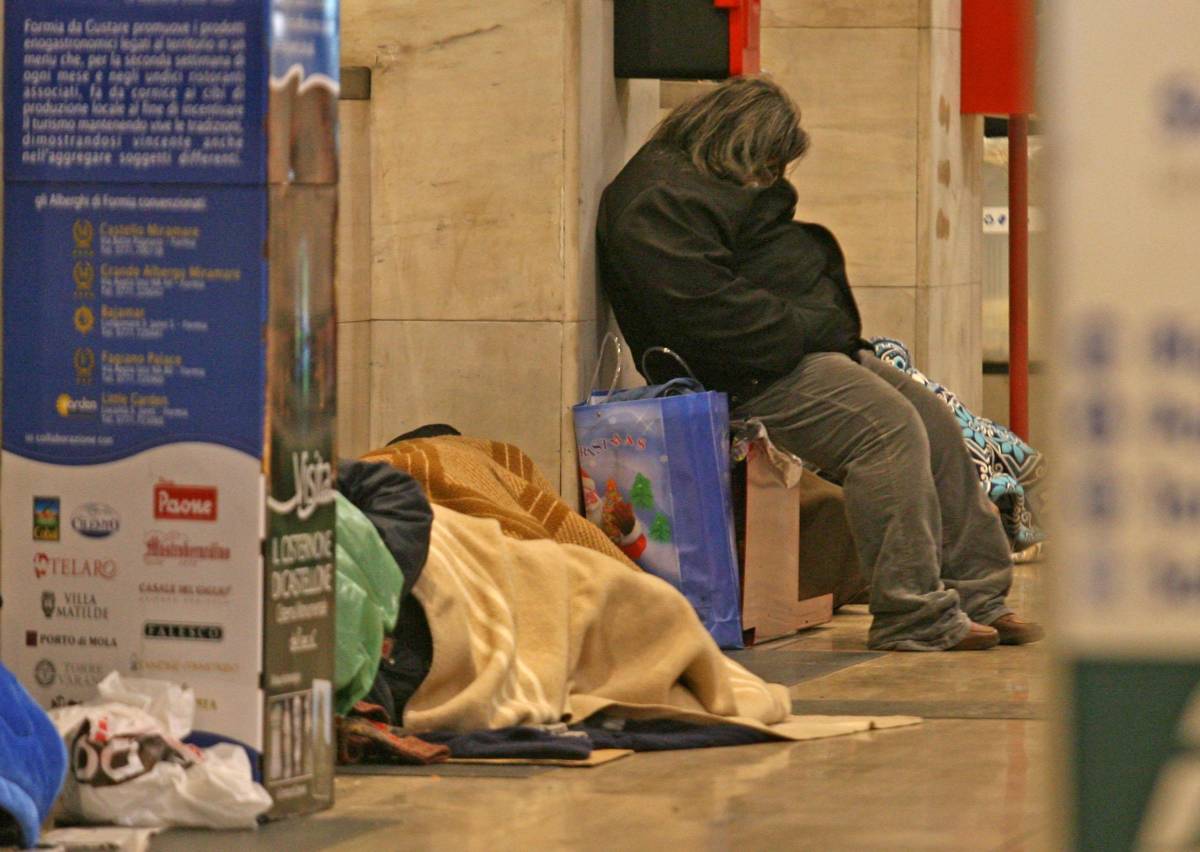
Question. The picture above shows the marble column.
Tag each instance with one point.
(492, 128)
(353, 279)
(894, 169)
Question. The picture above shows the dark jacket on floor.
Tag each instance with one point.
(720, 272)
(397, 506)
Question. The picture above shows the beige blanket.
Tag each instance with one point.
(537, 632)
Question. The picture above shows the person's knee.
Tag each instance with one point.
(934, 413)
(899, 429)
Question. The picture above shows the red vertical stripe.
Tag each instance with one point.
(744, 35)
(1018, 275)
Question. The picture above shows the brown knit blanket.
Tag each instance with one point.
(488, 479)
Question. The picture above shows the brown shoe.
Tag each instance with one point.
(1014, 631)
(980, 638)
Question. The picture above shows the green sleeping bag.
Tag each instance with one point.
(369, 583)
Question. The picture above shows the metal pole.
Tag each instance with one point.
(1018, 274)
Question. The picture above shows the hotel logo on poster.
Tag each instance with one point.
(185, 502)
(84, 233)
(85, 365)
(84, 276)
(76, 406)
(85, 320)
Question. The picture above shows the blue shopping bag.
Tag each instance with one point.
(655, 471)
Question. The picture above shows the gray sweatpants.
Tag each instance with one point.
(928, 540)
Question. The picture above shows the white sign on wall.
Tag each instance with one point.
(995, 220)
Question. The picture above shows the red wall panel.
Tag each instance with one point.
(998, 50)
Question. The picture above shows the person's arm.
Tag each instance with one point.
(834, 329)
(671, 247)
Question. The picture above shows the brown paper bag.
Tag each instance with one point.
(798, 560)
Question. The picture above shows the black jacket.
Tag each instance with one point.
(720, 272)
(397, 506)
(398, 509)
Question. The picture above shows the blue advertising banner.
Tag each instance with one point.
(169, 363)
(136, 320)
(137, 91)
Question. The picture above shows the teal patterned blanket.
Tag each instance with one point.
(1010, 471)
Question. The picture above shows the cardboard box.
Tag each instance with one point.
(773, 601)
(169, 377)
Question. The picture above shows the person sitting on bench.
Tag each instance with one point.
(699, 251)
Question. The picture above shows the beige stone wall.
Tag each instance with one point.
(466, 268)
(353, 281)
(467, 285)
(894, 169)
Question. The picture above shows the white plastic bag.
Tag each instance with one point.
(128, 766)
(173, 705)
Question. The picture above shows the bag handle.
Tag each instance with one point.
(616, 342)
(670, 353)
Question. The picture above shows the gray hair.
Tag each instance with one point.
(747, 130)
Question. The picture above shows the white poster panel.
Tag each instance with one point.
(1124, 108)
(1122, 100)
(150, 566)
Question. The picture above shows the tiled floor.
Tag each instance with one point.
(970, 777)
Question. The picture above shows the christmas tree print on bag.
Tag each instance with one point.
(660, 530)
(643, 493)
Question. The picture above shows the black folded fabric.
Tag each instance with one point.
(668, 734)
(430, 430)
(596, 733)
(396, 505)
(515, 742)
(407, 667)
